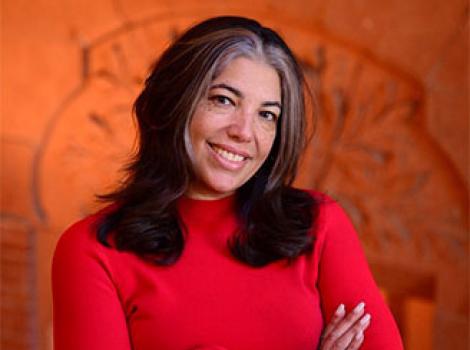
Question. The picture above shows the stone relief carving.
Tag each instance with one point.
(371, 150)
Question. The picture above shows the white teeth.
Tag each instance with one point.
(228, 155)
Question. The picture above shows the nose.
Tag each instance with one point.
(241, 127)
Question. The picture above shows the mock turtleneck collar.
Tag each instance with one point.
(206, 210)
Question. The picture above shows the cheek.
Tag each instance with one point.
(197, 131)
(266, 141)
(203, 125)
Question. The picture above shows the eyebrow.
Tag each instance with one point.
(239, 94)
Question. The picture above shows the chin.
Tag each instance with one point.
(223, 188)
(218, 184)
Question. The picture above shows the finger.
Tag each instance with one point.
(341, 327)
(337, 317)
(347, 340)
(357, 341)
(348, 321)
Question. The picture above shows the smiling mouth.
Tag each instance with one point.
(233, 157)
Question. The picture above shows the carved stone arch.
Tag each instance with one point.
(371, 151)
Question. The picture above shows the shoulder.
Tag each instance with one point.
(325, 202)
(80, 237)
(326, 206)
(82, 268)
(331, 218)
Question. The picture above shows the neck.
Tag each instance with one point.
(207, 196)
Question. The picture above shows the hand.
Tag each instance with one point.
(345, 331)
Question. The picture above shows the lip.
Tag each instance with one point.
(230, 149)
(226, 163)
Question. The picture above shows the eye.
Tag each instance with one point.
(221, 100)
(269, 116)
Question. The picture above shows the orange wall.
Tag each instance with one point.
(391, 145)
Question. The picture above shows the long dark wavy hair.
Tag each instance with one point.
(275, 219)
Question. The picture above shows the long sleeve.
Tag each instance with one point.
(344, 277)
(87, 313)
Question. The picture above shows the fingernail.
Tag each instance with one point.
(365, 319)
(359, 336)
(340, 309)
(359, 307)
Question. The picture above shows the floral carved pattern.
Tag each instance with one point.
(370, 151)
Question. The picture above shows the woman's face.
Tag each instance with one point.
(233, 127)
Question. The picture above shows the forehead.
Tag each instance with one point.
(252, 77)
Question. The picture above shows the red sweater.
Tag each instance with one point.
(107, 299)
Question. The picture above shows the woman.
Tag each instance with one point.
(206, 245)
